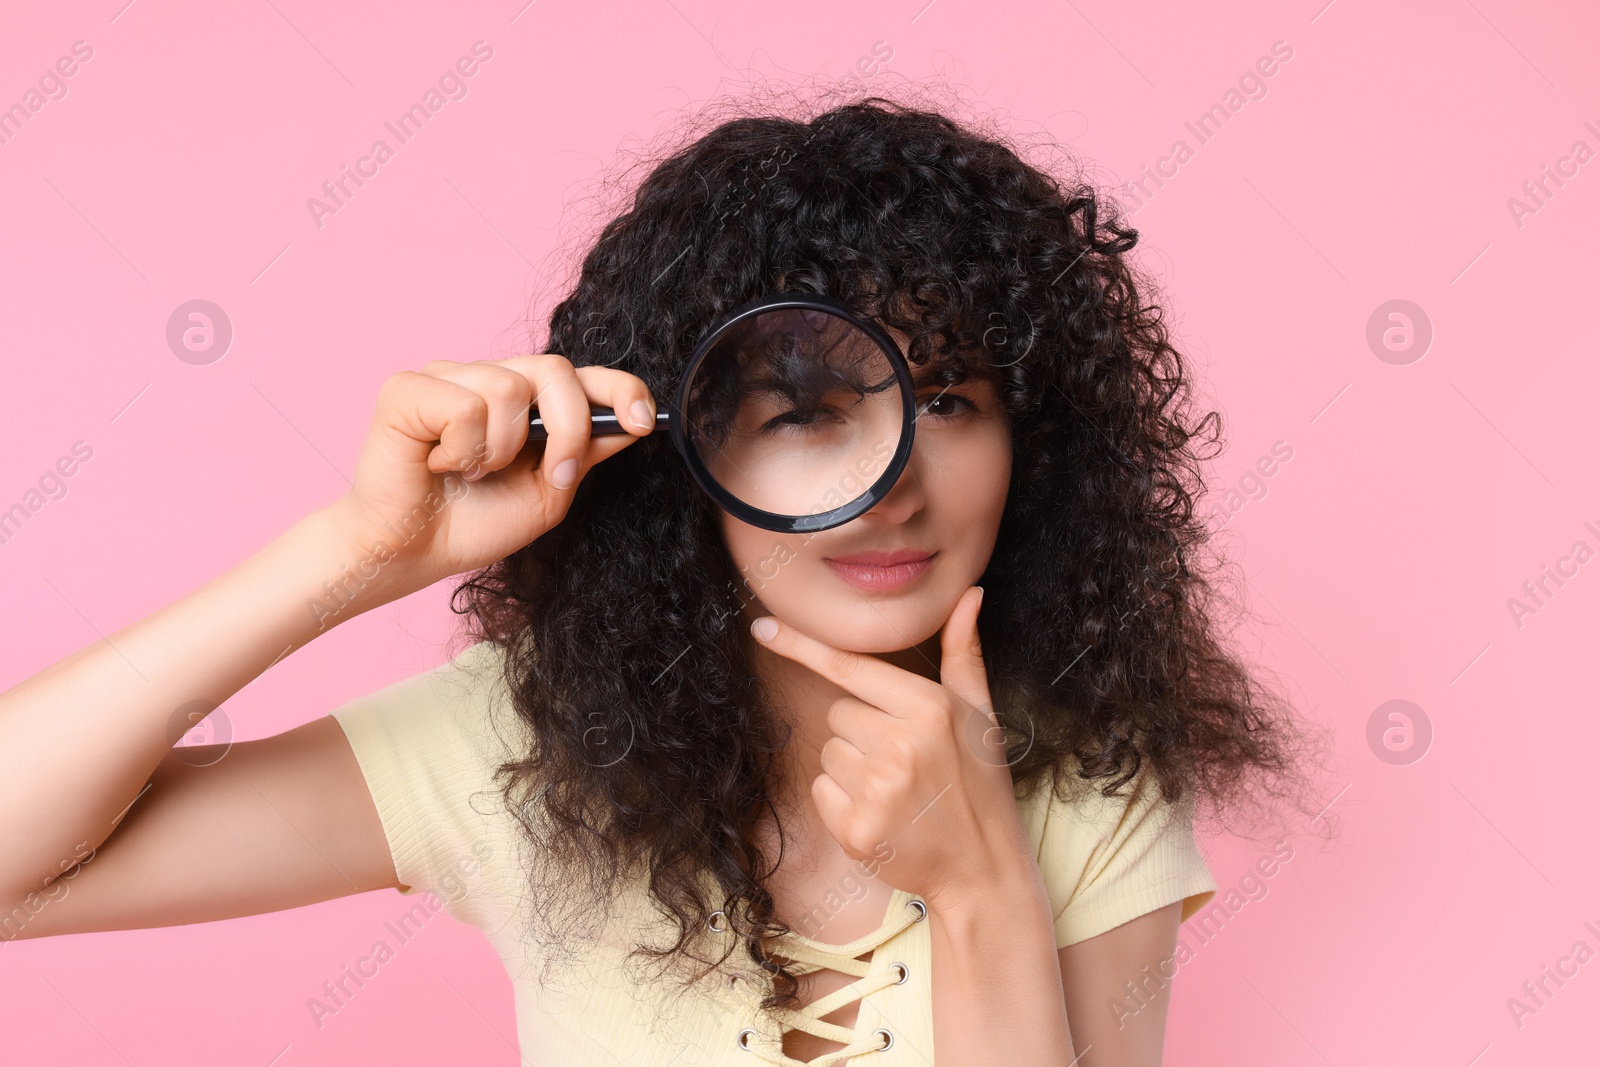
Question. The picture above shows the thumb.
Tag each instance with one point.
(961, 665)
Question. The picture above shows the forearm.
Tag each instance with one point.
(80, 739)
(997, 994)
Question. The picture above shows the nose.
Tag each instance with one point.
(904, 500)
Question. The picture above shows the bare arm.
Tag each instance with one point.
(85, 769)
(999, 976)
(273, 824)
(1112, 1027)
(80, 739)
(996, 972)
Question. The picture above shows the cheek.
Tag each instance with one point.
(974, 476)
(760, 557)
(982, 488)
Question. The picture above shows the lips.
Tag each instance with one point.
(882, 559)
(879, 571)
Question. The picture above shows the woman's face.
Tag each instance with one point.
(946, 505)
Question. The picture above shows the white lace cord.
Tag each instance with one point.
(814, 956)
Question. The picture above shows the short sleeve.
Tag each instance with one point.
(1107, 860)
(428, 747)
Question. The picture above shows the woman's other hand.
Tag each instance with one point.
(918, 764)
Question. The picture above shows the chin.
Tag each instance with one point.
(850, 621)
(867, 636)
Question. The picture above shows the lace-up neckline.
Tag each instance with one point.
(810, 956)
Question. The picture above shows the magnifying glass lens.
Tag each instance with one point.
(795, 411)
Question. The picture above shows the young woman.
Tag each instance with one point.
(922, 781)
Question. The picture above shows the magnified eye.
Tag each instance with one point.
(800, 419)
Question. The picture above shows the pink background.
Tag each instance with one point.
(1380, 557)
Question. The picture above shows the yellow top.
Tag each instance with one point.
(428, 747)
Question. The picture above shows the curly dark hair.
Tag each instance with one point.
(620, 627)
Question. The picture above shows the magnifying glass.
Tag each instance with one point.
(794, 414)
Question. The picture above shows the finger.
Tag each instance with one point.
(845, 764)
(564, 408)
(834, 806)
(438, 422)
(961, 667)
(629, 399)
(866, 727)
(880, 684)
(624, 393)
(603, 447)
(608, 387)
(518, 486)
(527, 461)
(508, 395)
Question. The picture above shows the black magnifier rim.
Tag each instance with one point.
(770, 520)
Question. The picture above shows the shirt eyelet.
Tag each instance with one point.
(888, 1040)
(744, 1038)
(711, 921)
(905, 972)
(922, 909)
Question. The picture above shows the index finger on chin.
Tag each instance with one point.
(864, 676)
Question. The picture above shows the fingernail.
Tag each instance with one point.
(641, 415)
(565, 473)
(765, 628)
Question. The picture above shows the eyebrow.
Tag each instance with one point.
(930, 374)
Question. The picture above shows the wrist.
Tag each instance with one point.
(1008, 914)
(339, 577)
(1008, 885)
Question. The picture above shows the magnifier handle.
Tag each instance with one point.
(602, 423)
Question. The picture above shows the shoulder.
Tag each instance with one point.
(456, 713)
(1107, 860)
